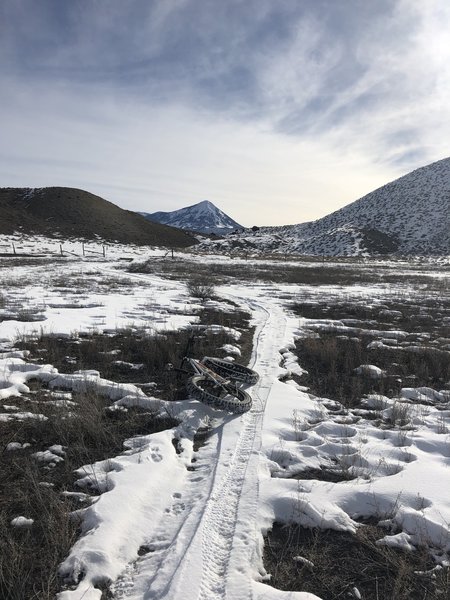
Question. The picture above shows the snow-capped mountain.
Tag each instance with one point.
(410, 216)
(203, 217)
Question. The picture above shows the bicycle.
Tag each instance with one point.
(216, 383)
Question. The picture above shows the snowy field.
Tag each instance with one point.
(184, 511)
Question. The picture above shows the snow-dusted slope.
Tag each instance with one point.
(413, 210)
(204, 217)
(410, 215)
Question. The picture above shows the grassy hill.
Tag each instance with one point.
(70, 212)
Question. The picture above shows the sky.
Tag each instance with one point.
(277, 111)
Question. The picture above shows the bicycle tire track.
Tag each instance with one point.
(222, 512)
(209, 551)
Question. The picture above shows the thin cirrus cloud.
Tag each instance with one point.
(284, 110)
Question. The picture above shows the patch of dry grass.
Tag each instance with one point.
(417, 359)
(29, 558)
(337, 562)
(112, 355)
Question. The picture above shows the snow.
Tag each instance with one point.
(400, 540)
(425, 394)
(230, 349)
(163, 527)
(371, 371)
(22, 522)
(48, 457)
(16, 446)
(128, 365)
(21, 416)
(114, 540)
(106, 310)
(303, 561)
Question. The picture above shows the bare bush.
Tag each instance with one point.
(200, 287)
(399, 415)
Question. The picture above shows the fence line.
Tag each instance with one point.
(27, 250)
(16, 250)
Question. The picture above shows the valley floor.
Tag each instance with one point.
(185, 511)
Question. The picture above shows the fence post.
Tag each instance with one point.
(60, 249)
(14, 248)
(82, 248)
(104, 251)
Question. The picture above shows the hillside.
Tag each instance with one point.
(70, 212)
(410, 216)
(203, 217)
(413, 211)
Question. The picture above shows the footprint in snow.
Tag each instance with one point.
(176, 509)
(155, 454)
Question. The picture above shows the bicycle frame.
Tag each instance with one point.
(220, 389)
(201, 369)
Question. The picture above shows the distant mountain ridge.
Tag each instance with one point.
(203, 217)
(408, 216)
(70, 212)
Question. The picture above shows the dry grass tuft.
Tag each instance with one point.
(337, 562)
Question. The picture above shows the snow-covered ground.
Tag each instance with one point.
(202, 523)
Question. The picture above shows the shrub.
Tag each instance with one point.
(200, 287)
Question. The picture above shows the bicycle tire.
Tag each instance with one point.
(231, 370)
(203, 389)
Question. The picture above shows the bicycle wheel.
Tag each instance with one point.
(224, 397)
(229, 370)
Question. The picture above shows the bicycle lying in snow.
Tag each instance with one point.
(217, 383)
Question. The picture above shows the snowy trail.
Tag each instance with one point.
(224, 532)
(210, 549)
(226, 541)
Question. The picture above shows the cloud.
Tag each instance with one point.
(399, 105)
(254, 104)
(164, 158)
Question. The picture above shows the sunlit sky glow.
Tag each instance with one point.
(277, 111)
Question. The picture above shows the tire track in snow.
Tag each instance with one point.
(228, 500)
(151, 576)
(197, 550)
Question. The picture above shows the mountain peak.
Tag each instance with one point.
(203, 217)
